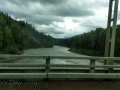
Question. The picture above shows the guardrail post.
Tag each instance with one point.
(110, 70)
(47, 64)
(92, 69)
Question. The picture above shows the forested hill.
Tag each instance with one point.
(15, 36)
(90, 43)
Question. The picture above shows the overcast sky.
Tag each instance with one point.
(60, 18)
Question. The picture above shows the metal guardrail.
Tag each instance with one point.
(60, 57)
(47, 74)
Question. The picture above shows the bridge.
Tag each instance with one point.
(17, 76)
(54, 76)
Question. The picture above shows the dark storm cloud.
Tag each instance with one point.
(52, 1)
(46, 20)
(26, 9)
(64, 8)
(17, 2)
(37, 16)
(55, 7)
(72, 12)
(18, 15)
(45, 12)
(76, 20)
(71, 9)
(45, 2)
(51, 30)
(18, 11)
(38, 1)
(75, 8)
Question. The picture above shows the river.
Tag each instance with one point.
(55, 51)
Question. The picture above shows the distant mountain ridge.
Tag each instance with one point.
(64, 41)
(69, 37)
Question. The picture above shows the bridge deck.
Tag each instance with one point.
(61, 85)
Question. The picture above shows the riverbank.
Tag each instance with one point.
(86, 52)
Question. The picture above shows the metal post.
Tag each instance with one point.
(92, 62)
(110, 39)
(114, 29)
(111, 34)
(47, 63)
(107, 45)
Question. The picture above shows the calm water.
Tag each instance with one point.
(55, 51)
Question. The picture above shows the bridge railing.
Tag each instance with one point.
(92, 73)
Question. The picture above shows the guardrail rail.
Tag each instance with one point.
(59, 71)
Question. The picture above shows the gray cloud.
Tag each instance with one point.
(91, 24)
(38, 1)
(53, 2)
(51, 30)
(44, 2)
(38, 16)
(44, 15)
(72, 12)
(51, 12)
(76, 20)
(71, 9)
(57, 8)
(46, 20)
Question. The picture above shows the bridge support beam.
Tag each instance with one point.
(111, 31)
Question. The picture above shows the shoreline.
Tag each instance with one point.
(86, 52)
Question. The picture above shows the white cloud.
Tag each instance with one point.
(60, 18)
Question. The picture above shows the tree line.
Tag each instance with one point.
(15, 36)
(91, 43)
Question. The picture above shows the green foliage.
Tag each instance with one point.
(86, 52)
(61, 42)
(9, 39)
(93, 43)
(15, 36)
(9, 44)
(1, 39)
(117, 41)
(38, 39)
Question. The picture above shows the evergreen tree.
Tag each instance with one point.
(1, 39)
(15, 36)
